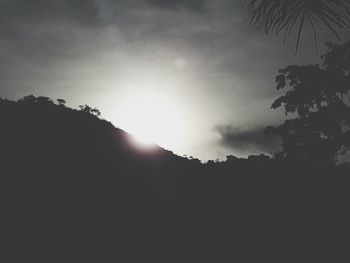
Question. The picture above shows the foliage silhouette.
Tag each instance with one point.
(319, 95)
(74, 189)
(282, 16)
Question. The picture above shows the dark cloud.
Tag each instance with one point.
(249, 141)
(194, 5)
(84, 11)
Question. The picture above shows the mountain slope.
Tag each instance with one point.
(38, 134)
(74, 189)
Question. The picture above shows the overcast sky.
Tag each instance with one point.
(203, 54)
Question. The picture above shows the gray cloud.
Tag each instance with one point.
(244, 141)
(194, 5)
(14, 12)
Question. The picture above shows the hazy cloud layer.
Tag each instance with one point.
(201, 52)
(194, 5)
(246, 141)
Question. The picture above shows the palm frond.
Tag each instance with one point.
(284, 15)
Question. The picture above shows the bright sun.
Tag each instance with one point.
(153, 119)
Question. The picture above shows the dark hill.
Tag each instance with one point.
(74, 189)
(40, 135)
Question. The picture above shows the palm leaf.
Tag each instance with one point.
(283, 15)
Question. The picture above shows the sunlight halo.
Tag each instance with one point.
(153, 119)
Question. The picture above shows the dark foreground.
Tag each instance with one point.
(73, 189)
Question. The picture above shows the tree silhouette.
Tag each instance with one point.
(61, 102)
(282, 16)
(89, 110)
(319, 96)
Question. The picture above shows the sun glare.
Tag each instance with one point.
(153, 119)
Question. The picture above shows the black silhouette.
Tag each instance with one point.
(74, 189)
(282, 16)
(319, 95)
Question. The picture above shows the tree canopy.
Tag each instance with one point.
(319, 96)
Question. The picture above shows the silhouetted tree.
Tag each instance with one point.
(95, 112)
(231, 158)
(319, 96)
(282, 16)
(89, 110)
(44, 100)
(259, 158)
(61, 101)
(28, 99)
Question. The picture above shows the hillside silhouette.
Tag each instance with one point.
(75, 189)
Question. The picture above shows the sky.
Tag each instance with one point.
(191, 75)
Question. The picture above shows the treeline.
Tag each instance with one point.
(75, 189)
